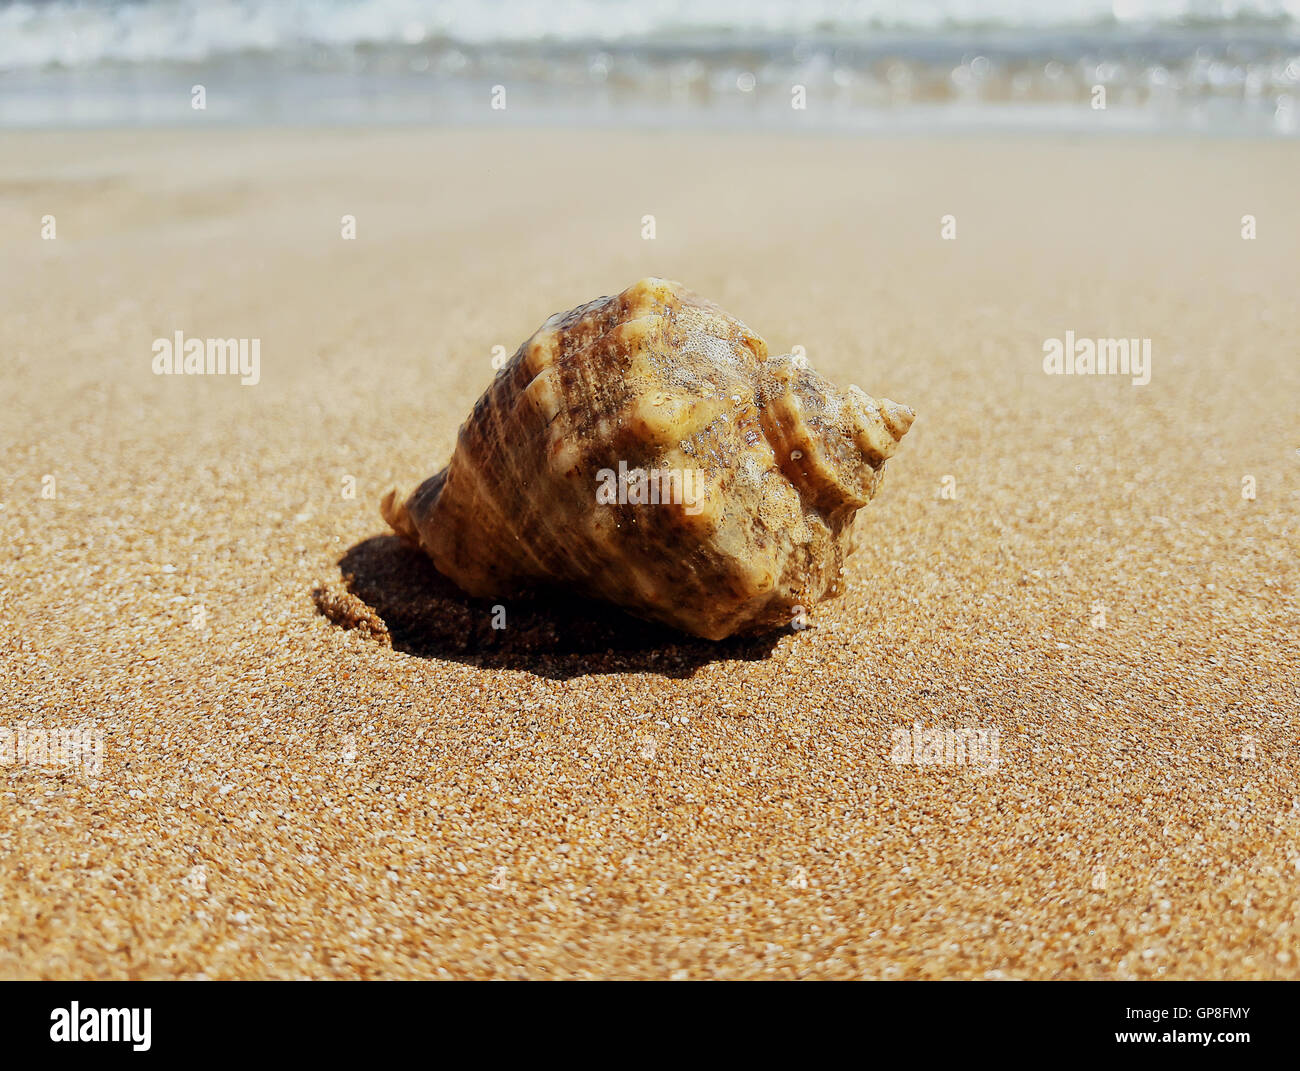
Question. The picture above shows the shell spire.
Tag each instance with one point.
(646, 450)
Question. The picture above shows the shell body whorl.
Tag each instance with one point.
(644, 449)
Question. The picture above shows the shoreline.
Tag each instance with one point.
(949, 121)
(1048, 134)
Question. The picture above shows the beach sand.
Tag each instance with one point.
(581, 795)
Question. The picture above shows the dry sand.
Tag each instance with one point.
(587, 797)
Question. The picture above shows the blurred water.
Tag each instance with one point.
(1163, 64)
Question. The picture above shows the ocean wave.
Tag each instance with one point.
(86, 33)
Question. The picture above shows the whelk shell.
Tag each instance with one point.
(644, 449)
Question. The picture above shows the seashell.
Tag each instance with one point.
(644, 449)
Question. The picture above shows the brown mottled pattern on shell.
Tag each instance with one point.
(656, 378)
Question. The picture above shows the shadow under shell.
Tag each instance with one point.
(552, 634)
